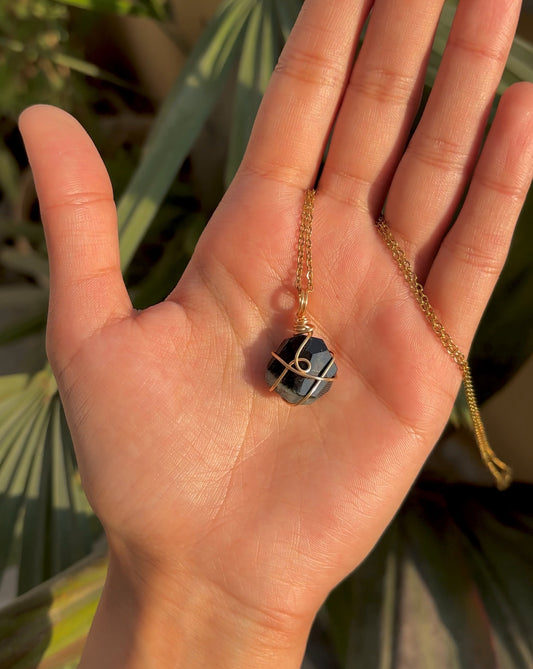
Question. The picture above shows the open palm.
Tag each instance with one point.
(191, 464)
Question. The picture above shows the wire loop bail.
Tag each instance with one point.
(302, 325)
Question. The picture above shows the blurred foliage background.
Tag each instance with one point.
(168, 90)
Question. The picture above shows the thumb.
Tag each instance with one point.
(80, 224)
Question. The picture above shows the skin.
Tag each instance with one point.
(231, 515)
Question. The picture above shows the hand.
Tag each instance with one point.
(230, 515)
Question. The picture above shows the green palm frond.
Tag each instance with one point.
(260, 51)
(156, 9)
(47, 626)
(45, 521)
(448, 586)
(25, 308)
(180, 121)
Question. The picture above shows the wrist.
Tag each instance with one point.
(154, 619)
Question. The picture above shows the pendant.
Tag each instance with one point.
(302, 369)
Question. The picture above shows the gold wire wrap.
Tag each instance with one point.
(297, 367)
(300, 365)
(302, 324)
(501, 472)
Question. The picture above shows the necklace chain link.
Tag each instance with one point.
(500, 471)
(304, 271)
(304, 285)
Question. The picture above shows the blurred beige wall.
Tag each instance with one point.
(155, 55)
(508, 417)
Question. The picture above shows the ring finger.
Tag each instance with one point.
(435, 169)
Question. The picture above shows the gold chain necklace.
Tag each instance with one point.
(302, 369)
(501, 472)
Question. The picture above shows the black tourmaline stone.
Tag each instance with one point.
(294, 387)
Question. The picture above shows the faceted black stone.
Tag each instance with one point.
(294, 387)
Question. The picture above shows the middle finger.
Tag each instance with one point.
(380, 102)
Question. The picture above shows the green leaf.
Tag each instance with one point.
(121, 7)
(504, 340)
(499, 537)
(446, 586)
(10, 387)
(439, 43)
(91, 70)
(369, 641)
(24, 307)
(72, 524)
(14, 476)
(22, 295)
(72, 63)
(32, 564)
(260, 52)
(24, 325)
(176, 254)
(61, 538)
(48, 625)
(180, 121)
(33, 232)
(9, 175)
(45, 520)
(28, 264)
(519, 65)
(287, 11)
